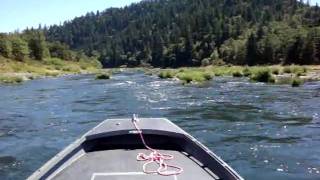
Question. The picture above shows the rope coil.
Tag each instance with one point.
(155, 157)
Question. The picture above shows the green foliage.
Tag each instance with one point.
(12, 71)
(103, 76)
(54, 61)
(252, 51)
(295, 69)
(296, 82)
(287, 69)
(61, 51)
(215, 56)
(5, 46)
(90, 63)
(237, 74)
(179, 33)
(255, 73)
(167, 74)
(294, 52)
(32, 45)
(37, 44)
(10, 79)
(275, 71)
(246, 72)
(187, 75)
(205, 62)
(263, 76)
(207, 76)
(186, 78)
(194, 76)
(20, 50)
(234, 51)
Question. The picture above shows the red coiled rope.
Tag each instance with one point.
(156, 157)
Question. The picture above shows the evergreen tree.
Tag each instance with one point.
(188, 48)
(317, 49)
(157, 51)
(252, 51)
(20, 50)
(308, 52)
(61, 51)
(268, 52)
(37, 45)
(294, 52)
(5, 46)
(215, 55)
(184, 32)
(316, 40)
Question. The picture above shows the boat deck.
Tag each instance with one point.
(122, 164)
(109, 151)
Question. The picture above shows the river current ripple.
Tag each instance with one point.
(263, 131)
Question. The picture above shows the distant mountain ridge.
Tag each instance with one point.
(175, 33)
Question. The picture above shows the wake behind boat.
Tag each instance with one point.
(148, 148)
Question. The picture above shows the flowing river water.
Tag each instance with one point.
(263, 131)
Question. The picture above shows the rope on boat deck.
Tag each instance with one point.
(155, 157)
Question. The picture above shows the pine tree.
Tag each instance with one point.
(268, 52)
(317, 49)
(59, 50)
(188, 48)
(295, 51)
(252, 50)
(37, 45)
(308, 53)
(20, 50)
(5, 46)
(157, 51)
(181, 32)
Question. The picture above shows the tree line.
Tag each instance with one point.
(175, 33)
(32, 44)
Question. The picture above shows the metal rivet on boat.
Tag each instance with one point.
(117, 123)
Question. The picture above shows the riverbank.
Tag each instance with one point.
(12, 71)
(16, 72)
(294, 75)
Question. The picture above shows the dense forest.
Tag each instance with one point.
(175, 33)
(32, 44)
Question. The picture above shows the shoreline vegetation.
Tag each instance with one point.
(293, 75)
(12, 71)
(28, 55)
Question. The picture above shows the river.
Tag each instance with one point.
(263, 131)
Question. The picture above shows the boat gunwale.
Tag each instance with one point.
(54, 164)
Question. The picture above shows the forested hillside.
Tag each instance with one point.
(28, 55)
(32, 44)
(175, 33)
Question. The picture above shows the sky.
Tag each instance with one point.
(19, 14)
